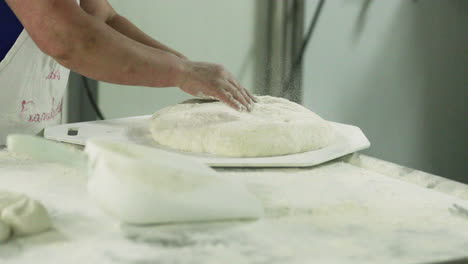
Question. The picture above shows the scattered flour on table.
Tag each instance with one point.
(329, 214)
(275, 127)
(335, 213)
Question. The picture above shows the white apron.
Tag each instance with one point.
(32, 85)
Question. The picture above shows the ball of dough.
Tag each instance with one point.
(275, 127)
(5, 232)
(24, 215)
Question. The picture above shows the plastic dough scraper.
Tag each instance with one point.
(143, 185)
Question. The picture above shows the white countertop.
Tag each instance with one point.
(354, 210)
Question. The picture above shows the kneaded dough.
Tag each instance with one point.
(22, 214)
(275, 127)
(143, 185)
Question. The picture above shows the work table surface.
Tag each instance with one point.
(353, 210)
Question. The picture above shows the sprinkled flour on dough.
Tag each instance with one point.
(275, 127)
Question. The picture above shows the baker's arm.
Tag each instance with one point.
(84, 43)
(104, 11)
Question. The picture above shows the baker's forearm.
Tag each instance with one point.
(79, 38)
(100, 52)
(127, 28)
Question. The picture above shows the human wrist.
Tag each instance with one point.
(183, 69)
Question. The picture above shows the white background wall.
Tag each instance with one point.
(401, 74)
(205, 30)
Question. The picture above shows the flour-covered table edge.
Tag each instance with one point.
(418, 177)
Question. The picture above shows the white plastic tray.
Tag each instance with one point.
(135, 129)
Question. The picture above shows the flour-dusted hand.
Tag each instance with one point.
(212, 80)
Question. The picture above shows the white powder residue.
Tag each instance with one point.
(335, 213)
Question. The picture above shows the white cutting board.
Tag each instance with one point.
(135, 129)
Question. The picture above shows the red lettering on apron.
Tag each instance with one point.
(24, 103)
(45, 116)
(54, 75)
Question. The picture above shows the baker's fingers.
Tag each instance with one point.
(251, 96)
(234, 91)
(248, 95)
(246, 92)
(240, 90)
(227, 98)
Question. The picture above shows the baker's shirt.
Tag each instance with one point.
(10, 29)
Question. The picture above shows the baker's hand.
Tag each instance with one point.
(214, 81)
